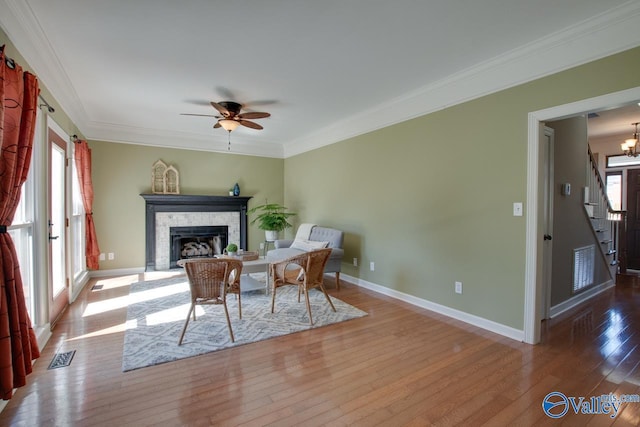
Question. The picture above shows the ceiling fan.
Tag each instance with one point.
(231, 117)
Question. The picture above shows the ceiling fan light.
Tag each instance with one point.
(229, 125)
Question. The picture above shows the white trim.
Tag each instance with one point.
(78, 285)
(116, 272)
(533, 275)
(531, 299)
(602, 35)
(43, 333)
(462, 316)
(573, 302)
(611, 32)
(40, 168)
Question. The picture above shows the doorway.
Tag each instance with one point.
(58, 283)
(534, 263)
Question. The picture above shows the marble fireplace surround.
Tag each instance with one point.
(163, 211)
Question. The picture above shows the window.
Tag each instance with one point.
(614, 189)
(21, 231)
(621, 160)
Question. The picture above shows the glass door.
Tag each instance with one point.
(58, 283)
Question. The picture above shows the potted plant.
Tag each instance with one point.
(272, 218)
(232, 249)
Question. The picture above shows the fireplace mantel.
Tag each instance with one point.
(189, 203)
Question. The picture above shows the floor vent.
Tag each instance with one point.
(97, 287)
(60, 360)
(582, 325)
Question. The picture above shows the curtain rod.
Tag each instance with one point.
(49, 107)
(12, 64)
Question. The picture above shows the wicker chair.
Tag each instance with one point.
(210, 280)
(304, 270)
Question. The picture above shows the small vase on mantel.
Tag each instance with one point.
(236, 190)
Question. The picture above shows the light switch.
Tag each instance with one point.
(517, 209)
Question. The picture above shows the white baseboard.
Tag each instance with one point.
(79, 285)
(471, 319)
(116, 272)
(43, 333)
(572, 302)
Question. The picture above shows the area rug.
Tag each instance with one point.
(157, 310)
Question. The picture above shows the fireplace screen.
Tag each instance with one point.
(197, 242)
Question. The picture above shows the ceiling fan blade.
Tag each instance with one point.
(201, 115)
(253, 115)
(249, 124)
(217, 125)
(220, 108)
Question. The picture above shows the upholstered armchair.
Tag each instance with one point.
(310, 237)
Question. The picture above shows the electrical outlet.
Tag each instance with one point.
(102, 257)
(372, 266)
(111, 256)
(458, 287)
(355, 262)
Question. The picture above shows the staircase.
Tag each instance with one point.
(608, 225)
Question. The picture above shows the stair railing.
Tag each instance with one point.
(609, 225)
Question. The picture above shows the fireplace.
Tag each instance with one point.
(166, 211)
(196, 242)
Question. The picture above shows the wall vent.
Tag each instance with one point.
(583, 266)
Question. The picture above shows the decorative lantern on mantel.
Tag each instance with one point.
(164, 179)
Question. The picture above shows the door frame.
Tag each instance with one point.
(53, 127)
(534, 227)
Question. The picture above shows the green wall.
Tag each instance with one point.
(430, 200)
(121, 172)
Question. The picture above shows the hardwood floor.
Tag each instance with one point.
(400, 365)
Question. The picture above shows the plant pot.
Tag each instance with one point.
(270, 235)
(232, 253)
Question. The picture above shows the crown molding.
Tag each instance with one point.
(606, 34)
(181, 140)
(600, 36)
(26, 33)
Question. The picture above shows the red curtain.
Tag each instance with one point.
(18, 103)
(83, 166)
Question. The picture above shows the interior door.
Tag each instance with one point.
(547, 213)
(633, 219)
(58, 283)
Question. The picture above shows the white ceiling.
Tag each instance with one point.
(124, 70)
(614, 121)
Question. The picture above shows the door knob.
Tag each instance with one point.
(547, 237)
